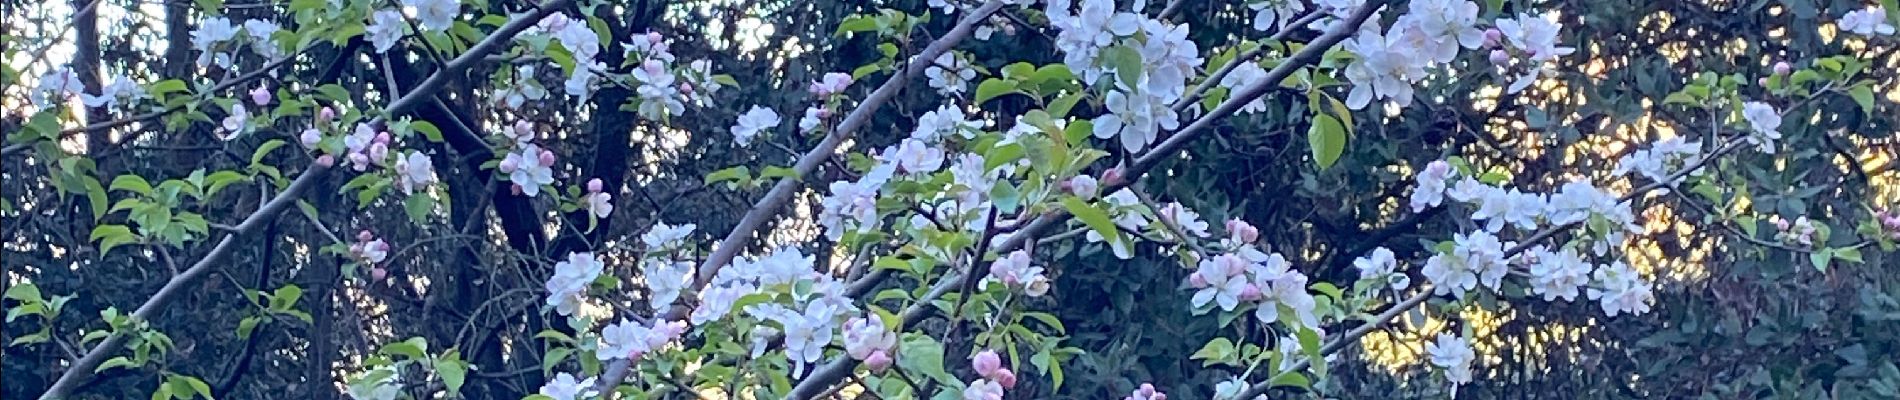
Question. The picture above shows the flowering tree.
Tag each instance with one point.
(488, 199)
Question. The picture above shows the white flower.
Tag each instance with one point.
(1576, 201)
(1621, 290)
(948, 6)
(1137, 118)
(665, 279)
(1244, 75)
(1558, 274)
(1335, 12)
(1453, 354)
(1430, 191)
(946, 120)
(121, 88)
(1476, 258)
(384, 29)
(56, 86)
(1662, 159)
(662, 236)
(1385, 69)
(564, 387)
(260, 30)
(716, 302)
(983, 389)
(949, 74)
(435, 15)
(625, 339)
(600, 204)
(1866, 22)
(863, 336)
(813, 117)
(1382, 265)
(1275, 14)
(1469, 190)
(916, 157)
(570, 281)
(806, 335)
(1500, 206)
(1188, 220)
(1536, 36)
(414, 171)
(1446, 25)
(376, 251)
(211, 32)
(530, 173)
(237, 123)
(1230, 389)
(850, 205)
(1123, 202)
(1280, 285)
(1765, 124)
(1225, 282)
(658, 97)
(758, 119)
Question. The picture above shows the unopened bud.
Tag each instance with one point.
(686, 88)
(358, 161)
(987, 363)
(1250, 292)
(326, 160)
(1782, 68)
(877, 361)
(326, 115)
(1006, 378)
(365, 235)
(1112, 177)
(547, 158)
(260, 95)
(310, 138)
(655, 37)
(594, 185)
(378, 152)
(508, 166)
(378, 274)
(1500, 57)
(1197, 281)
(382, 138)
(1493, 37)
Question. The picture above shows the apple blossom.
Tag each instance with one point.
(1454, 355)
(384, 29)
(564, 387)
(435, 15)
(1381, 265)
(949, 74)
(1764, 123)
(983, 389)
(1557, 274)
(986, 363)
(570, 280)
(414, 171)
(1870, 21)
(1146, 391)
(1619, 289)
(1430, 191)
(205, 39)
(1275, 14)
(755, 121)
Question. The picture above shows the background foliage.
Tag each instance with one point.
(1735, 319)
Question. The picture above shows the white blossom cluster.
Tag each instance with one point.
(1140, 103)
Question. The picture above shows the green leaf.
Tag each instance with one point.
(553, 358)
(993, 87)
(1864, 95)
(1820, 258)
(778, 172)
(110, 236)
(418, 207)
(415, 348)
(1094, 217)
(24, 291)
(923, 354)
(1850, 254)
(1327, 139)
(1217, 351)
(739, 174)
(857, 23)
(453, 371)
(132, 183)
(1125, 61)
(196, 385)
(1291, 378)
(247, 326)
(428, 130)
(1061, 105)
(265, 149)
(1310, 344)
(164, 87)
(96, 197)
(115, 362)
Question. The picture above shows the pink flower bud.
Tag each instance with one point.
(517, 189)
(310, 138)
(1146, 390)
(1500, 57)
(1112, 177)
(686, 88)
(1242, 231)
(987, 363)
(655, 37)
(381, 138)
(326, 115)
(1006, 378)
(377, 246)
(594, 185)
(877, 361)
(652, 66)
(1781, 224)
(358, 161)
(1493, 37)
(326, 160)
(1197, 281)
(1250, 292)
(1782, 68)
(547, 158)
(260, 95)
(356, 248)
(365, 235)
(378, 152)
(378, 274)
(1762, 81)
